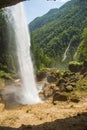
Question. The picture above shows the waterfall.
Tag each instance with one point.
(65, 53)
(28, 93)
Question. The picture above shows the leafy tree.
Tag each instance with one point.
(55, 30)
(82, 50)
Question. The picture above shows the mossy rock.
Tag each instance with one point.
(41, 75)
(75, 66)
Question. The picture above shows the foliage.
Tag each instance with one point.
(7, 43)
(54, 31)
(82, 50)
(82, 85)
(4, 75)
(40, 59)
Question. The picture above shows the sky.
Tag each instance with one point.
(36, 8)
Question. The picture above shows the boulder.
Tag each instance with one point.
(51, 78)
(69, 88)
(49, 90)
(62, 87)
(58, 96)
(53, 75)
(75, 66)
(41, 75)
(61, 81)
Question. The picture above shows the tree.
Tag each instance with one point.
(82, 50)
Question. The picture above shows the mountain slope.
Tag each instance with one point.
(49, 17)
(54, 31)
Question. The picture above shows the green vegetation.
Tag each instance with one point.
(7, 45)
(41, 60)
(82, 50)
(59, 32)
(4, 75)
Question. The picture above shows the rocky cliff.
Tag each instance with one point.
(5, 3)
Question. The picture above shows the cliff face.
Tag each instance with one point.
(5, 3)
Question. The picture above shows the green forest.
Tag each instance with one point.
(58, 37)
(52, 33)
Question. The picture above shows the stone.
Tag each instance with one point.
(75, 99)
(75, 66)
(49, 90)
(69, 88)
(51, 78)
(59, 97)
(61, 81)
(62, 87)
(41, 75)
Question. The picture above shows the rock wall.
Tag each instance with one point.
(5, 3)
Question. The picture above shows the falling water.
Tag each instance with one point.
(18, 33)
(29, 93)
(65, 53)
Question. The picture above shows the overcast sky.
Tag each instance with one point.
(35, 8)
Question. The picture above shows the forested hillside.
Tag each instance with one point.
(56, 36)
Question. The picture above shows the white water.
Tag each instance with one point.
(65, 53)
(28, 89)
